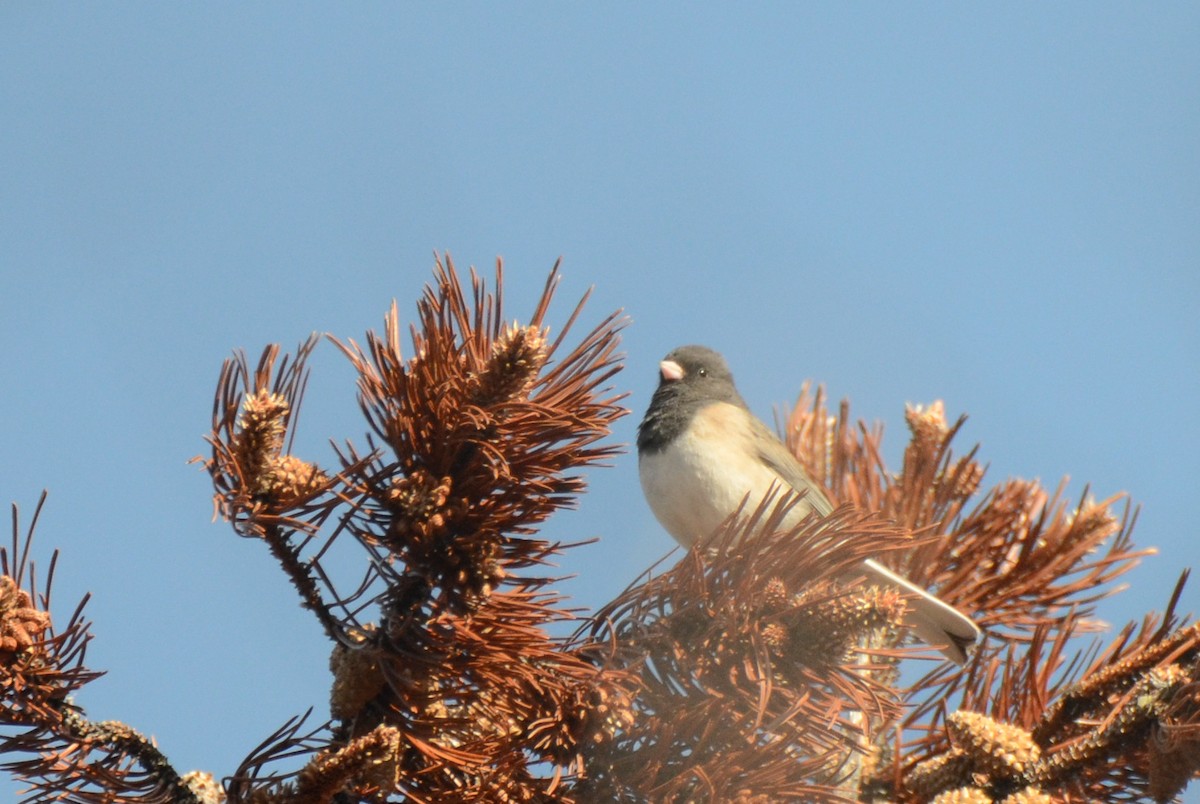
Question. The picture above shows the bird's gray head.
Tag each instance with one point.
(697, 367)
(689, 378)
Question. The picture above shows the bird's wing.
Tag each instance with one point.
(934, 621)
(774, 454)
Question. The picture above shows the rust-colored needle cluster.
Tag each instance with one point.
(447, 686)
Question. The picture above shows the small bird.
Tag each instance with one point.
(701, 452)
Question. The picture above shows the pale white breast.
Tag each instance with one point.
(697, 481)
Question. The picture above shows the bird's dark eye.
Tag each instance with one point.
(703, 372)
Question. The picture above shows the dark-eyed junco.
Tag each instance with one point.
(701, 453)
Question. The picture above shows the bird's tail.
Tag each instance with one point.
(935, 623)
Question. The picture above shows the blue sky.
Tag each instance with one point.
(998, 207)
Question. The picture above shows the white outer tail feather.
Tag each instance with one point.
(934, 622)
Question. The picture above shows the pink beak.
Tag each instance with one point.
(670, 371)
